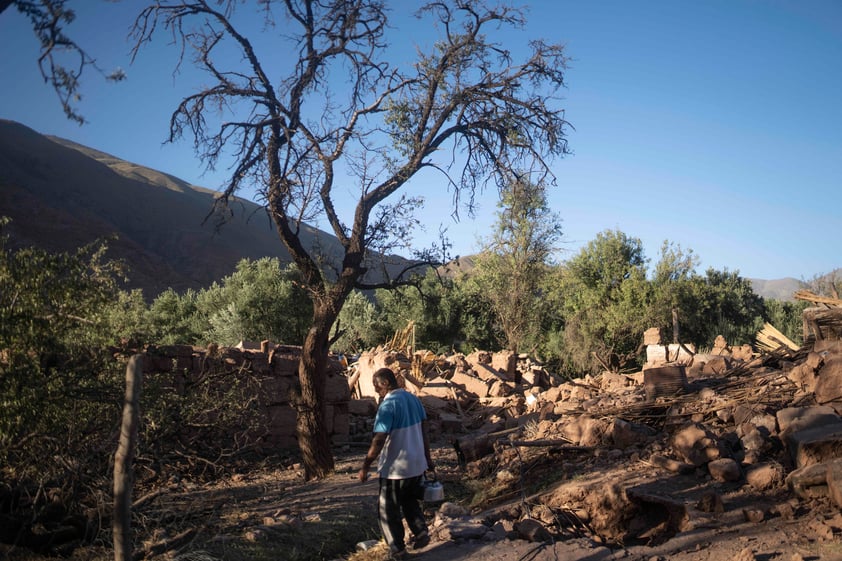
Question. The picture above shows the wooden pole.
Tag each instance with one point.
(123, 459)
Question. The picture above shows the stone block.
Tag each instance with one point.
(613, 382)
(743, 352)
(434, 404)
(834, 481)
(662, 354)
(536, 377)
(336, 388)
(471, 384)
(765, 476)
(716, 366)
(815, 445)
(585, 431)
(275, 389)
(341, 422)
(792, 419)
(489, 374)
(724, 469)
(652, 336)
(625, 434)
(500, 388)
(505, 362)
(438, 388)
(478, 357)
(451, 423)
(829, 378)
(284, 364)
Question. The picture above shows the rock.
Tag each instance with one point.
(716, 366)
(765, 476)
(652, 336)
(808, 481)
(834, 481)
(724, 469)
(462, 529)
(696, 445)
(670, 464)
(452, 510)
(711, 502)
(753, 515)
(829, 382)
(532, 530)
(585, 431)
(746, 554)
(625, 434)
(791, 419)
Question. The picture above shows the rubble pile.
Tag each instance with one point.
(735, 435)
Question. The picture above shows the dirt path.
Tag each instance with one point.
(810, 534)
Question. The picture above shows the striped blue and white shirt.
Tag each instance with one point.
(399, 416)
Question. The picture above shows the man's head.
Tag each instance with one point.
(384, 381)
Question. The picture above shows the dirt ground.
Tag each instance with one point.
(806, 531)
(271, 513)
(811, 532)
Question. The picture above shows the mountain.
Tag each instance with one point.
(778, 289)
(62, 195)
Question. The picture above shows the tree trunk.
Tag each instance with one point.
(313, 439)
(123, 459)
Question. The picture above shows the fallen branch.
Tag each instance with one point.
(562, 444)
(166, 545)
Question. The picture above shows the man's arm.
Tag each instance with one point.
(377, 443)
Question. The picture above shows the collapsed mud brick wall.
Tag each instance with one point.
(267, 375)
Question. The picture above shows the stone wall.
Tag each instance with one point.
(271, 378)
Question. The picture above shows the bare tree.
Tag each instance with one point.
(324, 113)
(62, 60)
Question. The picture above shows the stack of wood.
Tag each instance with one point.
(824, 320)
(770, 339)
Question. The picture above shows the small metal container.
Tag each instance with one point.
(433, 491)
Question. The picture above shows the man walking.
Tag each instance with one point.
(402, 445)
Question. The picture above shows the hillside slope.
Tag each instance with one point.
(61, 195)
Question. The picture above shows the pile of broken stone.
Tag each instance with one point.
(692, 440)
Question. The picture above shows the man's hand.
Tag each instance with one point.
(363, 474)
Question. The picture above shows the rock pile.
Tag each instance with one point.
(691, 441)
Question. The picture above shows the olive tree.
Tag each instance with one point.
(321, 113)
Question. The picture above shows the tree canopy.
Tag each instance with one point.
(335, 115)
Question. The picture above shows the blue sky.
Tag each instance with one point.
(716, 125)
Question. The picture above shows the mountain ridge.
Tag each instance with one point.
(78, 194)
(61, 195)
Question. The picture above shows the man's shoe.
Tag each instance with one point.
(421, 541)
(399, 555)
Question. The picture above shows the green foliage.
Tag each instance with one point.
(358, 324)
(511, 268)
(787, 318)
(57, 382)
(260, 300)
(722, 303)
(433, 304)
(605, 302)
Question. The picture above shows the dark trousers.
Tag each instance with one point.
(399, 500)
